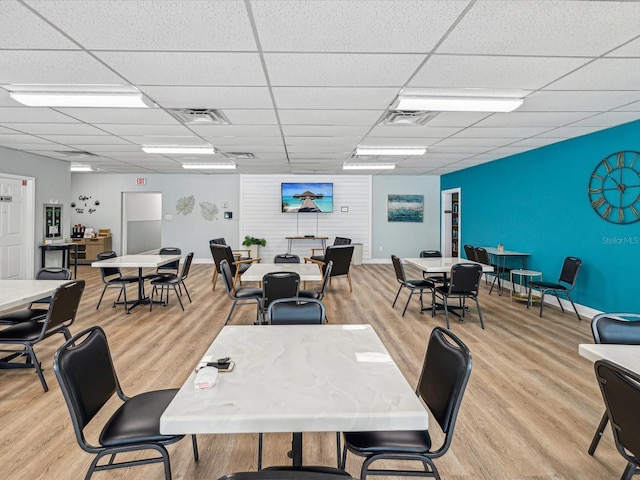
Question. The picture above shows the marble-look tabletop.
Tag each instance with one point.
(441, 265)
(14, 293)
(627, 356)
(298, 378)
(138, 261)
(309, 272)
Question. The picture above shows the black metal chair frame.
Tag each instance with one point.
(61, 314)
(341, 256)
(117, 280)
(176, 282)
(464, 283)
(319, 294)
(433, 278)
(441, 393)
(86, 392)
(278, 285)
(482, 256)
(237, 265)
(470, 252)
(286, 258)
(618, 329)
(244, 295)
(620, 389)
(336, 241)
(565, 284)
(412, 285)
(311, 311)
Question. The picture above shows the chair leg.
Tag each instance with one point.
(349, 279)
(598, 435)
(32, 355)
(214, 279)
(395, 299)
(408, 300)
(186, 291)
(629, 471)
(194, 443)
(542, 292)
(446, 311)
(479, 312)
(177, 296)
(100, 300)
(338, 448)
(259, 451)
(559, 302)
(231, 312)
(574, 306)
(153, 294)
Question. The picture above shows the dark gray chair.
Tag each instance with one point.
(244, 295)
(113, 278)
(565, 284)
(236, 265)
(88, 380)
(464, 283)
(304, 472)
(286, 258)
(336, 241)
(166, 281)
(341, 257)
(32, 314)
(482, 256)
(470, 252)
(435, 279)
(17, 341)
(278, 285)
(445, 373)
(319, 294)
(296, 311)
(616, 328)
(172, 268)
(412, 285)
(621, 393)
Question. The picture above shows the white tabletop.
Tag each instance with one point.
(138, 261)
(14, 293)
(298, 378)
(505, 253)
(441, 265)
(627, 356)
(309, 272)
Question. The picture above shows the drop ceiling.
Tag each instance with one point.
(302, 83)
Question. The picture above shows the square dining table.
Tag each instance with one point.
(627, 356)
(308, 272)
(14, 293)
(139, 262)
(298, 378)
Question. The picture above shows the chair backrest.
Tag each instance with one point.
(63, 309)
(296, 311)
(218, 241)
(444, 377)
(341, 258)
(53, 273)
(325, 280)
(286, 258)
(482, 255)
(173, 266)
(470, 252)
(570, 269)
(399, 269)
(465, 277)
(621, 328)
(108, 271)
(342, 241)
(222, 252)
(86, 376)
(430, 254)
(186, 266)
(227, 276)
(621, 393)
(277, 285)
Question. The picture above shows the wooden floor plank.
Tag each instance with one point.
(531, 406)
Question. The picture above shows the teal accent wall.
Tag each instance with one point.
(537, 202)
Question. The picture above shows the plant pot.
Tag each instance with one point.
(255, 251)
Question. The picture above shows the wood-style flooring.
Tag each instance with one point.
(530, 409)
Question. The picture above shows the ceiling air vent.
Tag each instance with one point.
(76, 153)
(416, 118)
(200, 116)
(241, 155)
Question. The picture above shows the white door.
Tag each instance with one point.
(13, 214)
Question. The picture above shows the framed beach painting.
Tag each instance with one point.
(405, 208)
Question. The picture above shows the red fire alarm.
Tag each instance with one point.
(141, 181)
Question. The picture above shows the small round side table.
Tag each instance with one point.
(523, 291)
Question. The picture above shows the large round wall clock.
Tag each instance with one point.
(614, 188)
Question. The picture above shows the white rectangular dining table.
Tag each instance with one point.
(298, 378)
(14, 293)
(627, 356)
(309, 272)
(139, 262)
(442, 264)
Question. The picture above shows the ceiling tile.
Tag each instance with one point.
(532, 119)
(151, 116)
(209, 97)
(334, 98)
(72, 140)
(603, 74)
(188, 139)
(608, 119)
(400, 131)
(31, 115)
(569, 132)
(324, 130)
(216, 131)
(456, 119)
(138, 129)
(503, 132)
(631, 49)
(9, 139)
(56, 128)
(329, 117)
(16, 20)
(251, 117)
(587, 101)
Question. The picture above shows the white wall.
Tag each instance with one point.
(262, 217)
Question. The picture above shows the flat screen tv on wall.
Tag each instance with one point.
(307, 197)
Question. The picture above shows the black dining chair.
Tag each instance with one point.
(435, 279)
(336, 241)
(296, 311)
(565, 284)
(113, 278)
(87, 377)
(341, 256)
(277, 285)
(412, 285)
(166, 281)
(620, 390)
(445, 373)
(236, 265)
(319, 294)
(464, 283)
(242, 295)
(286, 258)
(613, 328)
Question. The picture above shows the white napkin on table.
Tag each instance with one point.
(206, 378)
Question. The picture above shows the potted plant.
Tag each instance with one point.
(254, 245)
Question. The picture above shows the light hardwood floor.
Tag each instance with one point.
(530, 410)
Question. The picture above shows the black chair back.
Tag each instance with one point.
(341, 258)
(325, 280)
(482, 256)
(430, 254)
(86, 376)
(444, 377)
(621, 392)
(465, 277)
(108, 271)
(399, 269)
(218, 241)
(620, 328)
(173, 266)
(470, 252)
(223, 252)
(342, 241)
(186, 266)
(570, 269)
(227, 276)
(279, 285)
(296, 311)
(286, 258)
(53, 273)
(65, 302)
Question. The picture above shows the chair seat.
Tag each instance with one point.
(123, 279)
(248, 292)
(24, 315)
(309, 294)
(166, 279)
(25, 331)
(243, 267)
(541, 284)
(319, 258)
(138, 420)
(419, 283)
(394, 441)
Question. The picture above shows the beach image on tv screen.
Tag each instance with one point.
(307, 197)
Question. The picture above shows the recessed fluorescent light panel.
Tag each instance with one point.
(100, 96)
(209, 166)
(402, 151)
(459, 100)
(178, 149)
(369, 166)
(75, 167)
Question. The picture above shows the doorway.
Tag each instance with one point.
(451, 222)
(17, 220)
(141, 222)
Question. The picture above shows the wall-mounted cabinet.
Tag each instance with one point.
(455, 225)
(89, 248)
